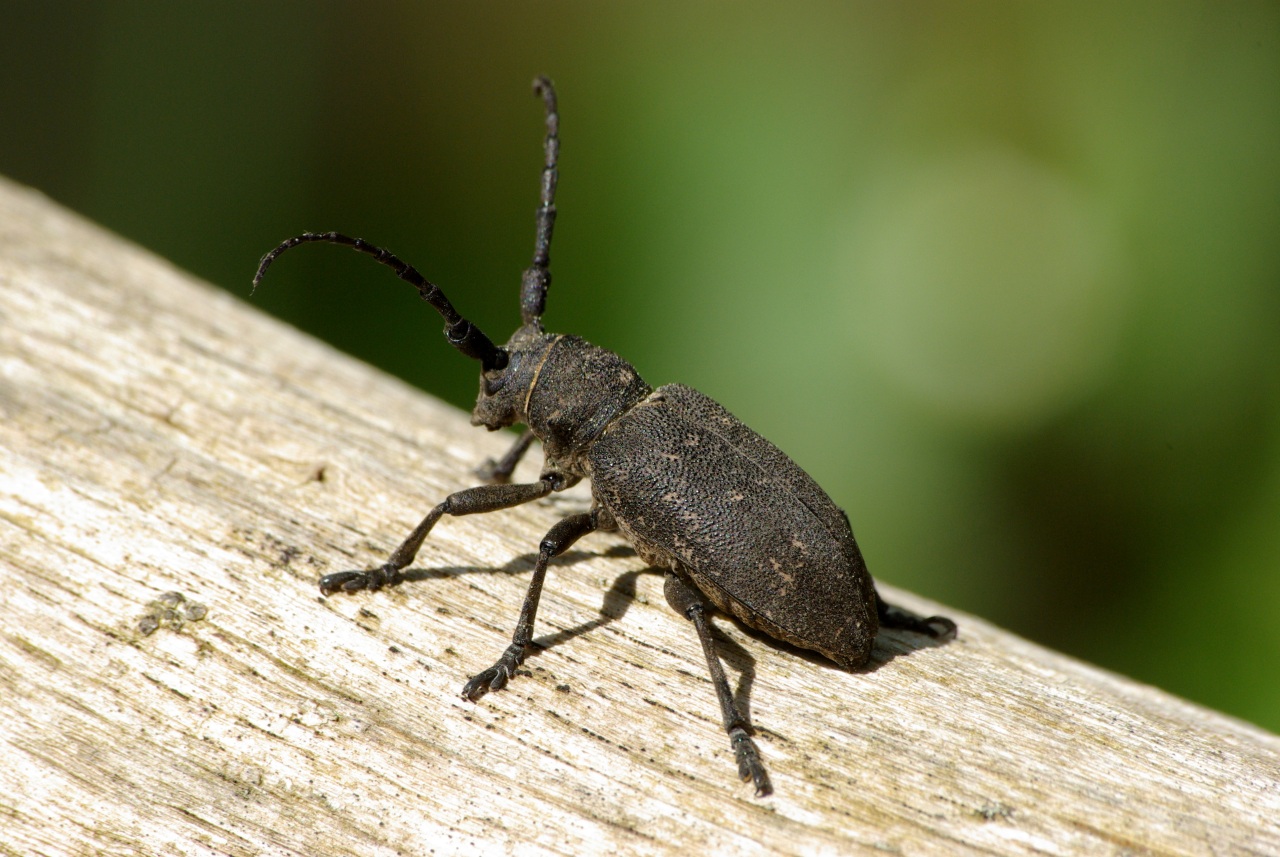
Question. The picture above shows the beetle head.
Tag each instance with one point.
(504, 391)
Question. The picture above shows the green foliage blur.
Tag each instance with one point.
(1004, 277)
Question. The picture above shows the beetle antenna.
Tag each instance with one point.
(461, 333)
(537, 277)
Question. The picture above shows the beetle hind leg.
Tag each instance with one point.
(689, 604)
(556, 542)
(937, 627)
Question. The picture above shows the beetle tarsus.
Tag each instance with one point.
(941, 628)
(936, 627)
(687, 602)
(891, 616)
(354, 581)
(750, 768)
(496, 676)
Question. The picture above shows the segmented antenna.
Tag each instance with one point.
(537, 277)
(461, 333)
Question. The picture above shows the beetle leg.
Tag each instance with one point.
(938, 627)
(688, 603)
(484, 498)
(497, 471)
(556, 542)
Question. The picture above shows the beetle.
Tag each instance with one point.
(737, 526)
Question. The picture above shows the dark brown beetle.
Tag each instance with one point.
(736, 524)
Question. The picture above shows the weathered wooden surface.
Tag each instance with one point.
(161, 436)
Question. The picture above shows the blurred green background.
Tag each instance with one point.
(1004, 277)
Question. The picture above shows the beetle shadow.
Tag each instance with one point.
(616, 600)
(622, 594)
(520, 564)
(741, 661)
(890, 643)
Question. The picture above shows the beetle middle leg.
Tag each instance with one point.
(557, 541)
(689, 604)
(472, 501)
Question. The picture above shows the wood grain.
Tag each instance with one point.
(160, 436)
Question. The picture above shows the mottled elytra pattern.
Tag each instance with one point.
(734, 522)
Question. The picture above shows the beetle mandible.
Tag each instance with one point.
(736, 524)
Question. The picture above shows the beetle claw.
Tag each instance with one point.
(494, 678)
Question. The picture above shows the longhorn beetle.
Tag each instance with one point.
(734, 522)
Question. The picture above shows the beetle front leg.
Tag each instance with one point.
(556, 542)
(472, 501)
(497, 471)
(689, 604)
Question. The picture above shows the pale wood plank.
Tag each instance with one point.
(159, 435)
